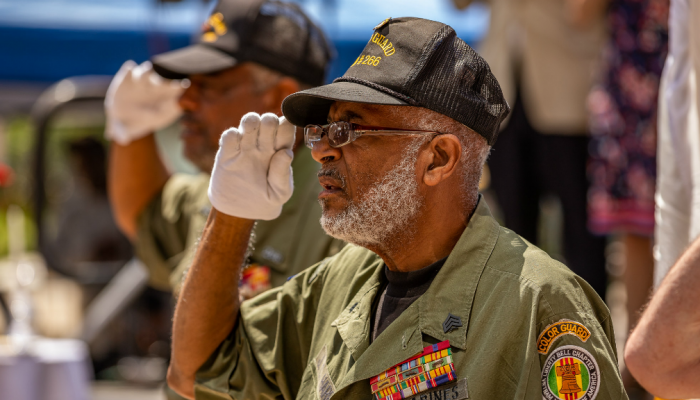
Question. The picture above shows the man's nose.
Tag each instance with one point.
(189, 101)
(323, 153)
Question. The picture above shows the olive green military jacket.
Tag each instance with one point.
(171, 224)
(521, 326)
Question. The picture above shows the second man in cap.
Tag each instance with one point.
(251, 55)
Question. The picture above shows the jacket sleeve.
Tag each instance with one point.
(169, 227)
(575, 348)
(266, 354)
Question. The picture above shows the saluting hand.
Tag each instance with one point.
(139, 101)
(252, 176)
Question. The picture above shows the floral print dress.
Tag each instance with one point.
(622, 165)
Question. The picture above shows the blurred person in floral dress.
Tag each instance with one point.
(622, 167)
(544, 54)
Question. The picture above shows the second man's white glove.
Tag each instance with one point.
(139, 101)
(252, 175)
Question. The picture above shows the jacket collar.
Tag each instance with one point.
(452, 292)
(453, 289)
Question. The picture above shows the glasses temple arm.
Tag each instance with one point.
(390, 132)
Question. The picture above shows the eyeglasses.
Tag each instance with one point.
(341, 133)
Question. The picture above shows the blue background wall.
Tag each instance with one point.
(48, 40)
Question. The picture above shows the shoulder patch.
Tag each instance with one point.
(556, 330)
(570, 373)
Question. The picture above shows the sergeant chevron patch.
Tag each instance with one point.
(451, 322)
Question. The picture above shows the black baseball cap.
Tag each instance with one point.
(412, 62)
(275, 34)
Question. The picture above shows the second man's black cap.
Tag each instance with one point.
(416, 62)
(275, 34)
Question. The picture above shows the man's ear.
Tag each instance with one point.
(273, 96)
(444, 155)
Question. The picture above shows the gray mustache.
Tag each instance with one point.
(332, 173)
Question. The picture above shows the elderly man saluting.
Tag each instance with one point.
(434, 300)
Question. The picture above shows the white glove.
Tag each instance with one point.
(139, 101)
(252, 176)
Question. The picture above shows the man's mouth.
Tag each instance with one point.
(331, 181)
(190, 127)
(330, 186)
(189, 133)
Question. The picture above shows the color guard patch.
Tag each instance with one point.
(570, 373)
(558, 329)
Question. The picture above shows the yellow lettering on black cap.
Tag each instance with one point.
(213, 28)
(384, 43)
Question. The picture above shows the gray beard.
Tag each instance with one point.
(387, 210)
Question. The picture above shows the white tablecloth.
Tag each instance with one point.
(49, 369)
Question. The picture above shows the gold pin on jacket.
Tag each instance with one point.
(381, 24)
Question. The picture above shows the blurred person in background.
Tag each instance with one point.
(678, 187)
(622, 166)
(663, 351)
(545, 54)
(250, 56)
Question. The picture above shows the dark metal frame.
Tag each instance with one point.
(51, 102)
